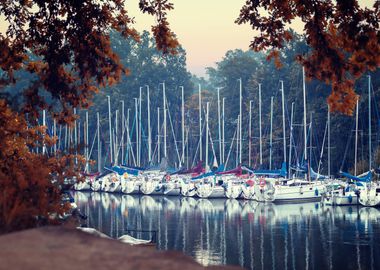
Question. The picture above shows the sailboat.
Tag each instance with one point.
(298, 190)
(207, 185)
(369, 194)
(232, 182)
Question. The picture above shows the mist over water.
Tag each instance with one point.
(253, 235)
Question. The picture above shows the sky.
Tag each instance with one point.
(205, 28)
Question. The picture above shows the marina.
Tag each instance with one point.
(168, 134)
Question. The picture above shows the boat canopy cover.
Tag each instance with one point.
(365, 178)
(237, 170)
(197, 169)
(274, 173)
(220, 169)
(121, 171)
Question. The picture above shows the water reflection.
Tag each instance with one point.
(246, 233)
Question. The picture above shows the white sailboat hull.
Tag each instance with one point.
(247, 192)
(96, 186)
(370, 197)
(298, 193)
(188, 189)
(130, 186)
(210, 191)
(350, 198)
(151, 188)
(233, 191)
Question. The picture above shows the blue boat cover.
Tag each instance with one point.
(366, 178)
(275, 173)
(121, 171)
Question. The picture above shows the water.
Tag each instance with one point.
(245, 233)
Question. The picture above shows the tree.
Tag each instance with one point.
(344, 40)
(65, 46)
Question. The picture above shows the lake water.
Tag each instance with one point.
(246, 233)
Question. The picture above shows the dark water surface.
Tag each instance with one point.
(246, 233)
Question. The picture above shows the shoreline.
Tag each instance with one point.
(60, 247)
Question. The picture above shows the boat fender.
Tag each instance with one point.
(262, 182)
(301, 190)
(316, 192)
(350, 198)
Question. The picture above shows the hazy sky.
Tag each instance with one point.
(205, 28)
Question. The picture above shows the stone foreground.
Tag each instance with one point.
(63, 248)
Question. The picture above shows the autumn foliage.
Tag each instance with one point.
(30, 183)
(344, 39)
(66, 46)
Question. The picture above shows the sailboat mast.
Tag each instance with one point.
(311, 138)
(87, 150)
(291, 139)
(140, 126)
(328, 141)
(99, 147)
(356, 136)
(110, 126)
(219, 127)
(164, 96)
(183, 123)
(283, 118)
(271, 133)
(200, 122)
(223, 144)
(75, 128)
(237, 140)
(149, 129)
(129, 145)
(260, 132)
(369, 125)
(122, 131)
(241, 118)
(207, 111)
(158, 136)
(137, 131)
(304, 113)
(116, 145)
(250, 134)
